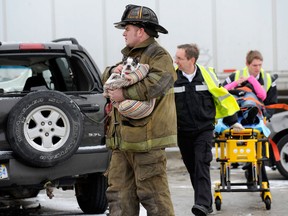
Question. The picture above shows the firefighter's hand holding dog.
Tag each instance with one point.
(118, 69)
(116, 95)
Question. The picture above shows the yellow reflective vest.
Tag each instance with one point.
(265, 76)
(225, 103)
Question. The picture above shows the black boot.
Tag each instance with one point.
(252, 114)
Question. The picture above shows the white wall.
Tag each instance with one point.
(84, 20)
(282, 35)
(243, 25)
(27, 20)
(224, 29)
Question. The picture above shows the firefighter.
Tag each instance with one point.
(137, 172)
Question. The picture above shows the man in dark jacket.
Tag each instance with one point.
(197, 90)
(137, 172)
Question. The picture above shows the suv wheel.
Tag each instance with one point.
(282, 165)
(91, 194)
(45, 128)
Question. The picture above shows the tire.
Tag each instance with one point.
(282, 165)
(218, 203)
(267, 203)
(91, 194)
(45, 128)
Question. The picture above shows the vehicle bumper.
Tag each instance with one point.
(84, 161)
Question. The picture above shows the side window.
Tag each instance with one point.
(74, 74)
(13, 78)
(47, 77)
(46, 72)
(66, 74)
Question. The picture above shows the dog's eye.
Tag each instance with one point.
(125, 62)
(133, 64)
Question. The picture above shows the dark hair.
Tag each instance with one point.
(191, 50)
(253, 54)
(149, 29)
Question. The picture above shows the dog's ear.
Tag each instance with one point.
(124, 59)
(137, 59)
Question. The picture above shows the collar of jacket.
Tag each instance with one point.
(127, 50)
(198, 76)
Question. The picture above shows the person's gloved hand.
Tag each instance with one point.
(237, 127)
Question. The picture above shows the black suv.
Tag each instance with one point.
(52, 122)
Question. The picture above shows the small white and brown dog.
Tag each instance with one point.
(129, 65)
(131, 73)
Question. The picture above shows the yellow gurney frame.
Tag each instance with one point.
(248, 145)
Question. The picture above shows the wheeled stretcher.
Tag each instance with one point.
(249, 145)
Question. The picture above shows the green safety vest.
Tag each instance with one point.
(265, 76)
(225, 103)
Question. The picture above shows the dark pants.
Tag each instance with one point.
(138, 177)
(196, 151)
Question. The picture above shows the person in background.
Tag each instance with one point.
(250, 96)
(137, 172)
(200, 99)
(254, 61)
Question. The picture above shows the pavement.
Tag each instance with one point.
(233, 203)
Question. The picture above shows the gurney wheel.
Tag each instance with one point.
(268, 203)
(218, 203)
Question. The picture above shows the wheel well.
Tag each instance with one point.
(276, 139)
(279, 135)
